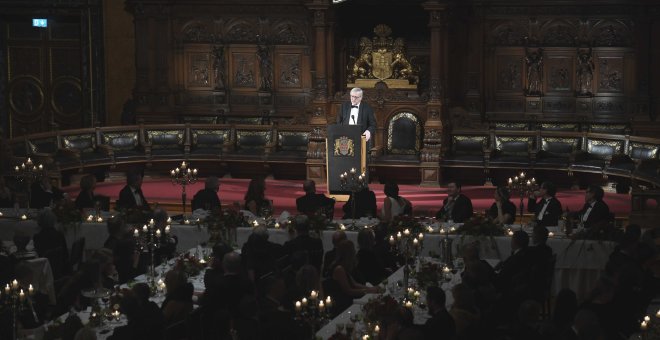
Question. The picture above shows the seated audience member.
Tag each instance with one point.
(540, 255)
(255, 198)
(513, 280)
(595, 211)
(115, 230)
(369, 265)
(401, 326)
(585, 327)
(329, 256)
(365, 204)
(230, 290)
(207, 198)
(127, 258)
(103, 257)
(131, 196)
(479, 276)
(503, 211)
(307, 279)
(277, 321)
(51, 244)
(393, 204)
(341, 285)
(312, 203)
(44, 194)
(86, 198)
(465, 312)
(145, 320)
(215, 272)
(441, 324)
(85, 333)
(547, 210)
(305, 243)
(21, 240)
(178, 299)
(456, 207)
(260, 255)
(6, 196)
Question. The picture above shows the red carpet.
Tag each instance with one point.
(426, 201)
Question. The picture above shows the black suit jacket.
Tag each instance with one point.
(599, 213)
(204, 198)
(461, 211)
(365, 204)
(305, 243)
(366, 117)
(311, 203)
(127, 200)
(551, 215)
(85, 200)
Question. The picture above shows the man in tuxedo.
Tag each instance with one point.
(547, 210)
(441, 325)
(312, 202)
(304, 244)
(207, 198)
(44, 194)
(595, 211)
(512, 278)
(456, 206)
(231, 288)
(131, 196)
(358, 113)
(330, 255)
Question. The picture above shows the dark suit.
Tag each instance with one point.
(366, 117)
(305, 243)
(228, 292)
(365, 204)
(551, 214)
(600, 213)
(311, 203)
(41, 198)
(127, 200)
(85, 200)
(205, 199)
(460, 212)
(440, 326)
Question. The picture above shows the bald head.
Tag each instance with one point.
(309, 186)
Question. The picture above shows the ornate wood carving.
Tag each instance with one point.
(610, 74)
(244, 74)
(509, 73)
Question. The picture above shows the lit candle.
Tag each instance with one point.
(365, 337)
(406, 232)
(417, 293)
(157, 232)
(16, 168)
(14, 284)
(277, 225)
(31, 290)
(551, 234)
(321, 305)
(409, 304)
(99, 220)
(533, 180)
(647, 318)
(342, 227)
(328, 302)
(657, 314)
(644, 326)
(167, 229)
(23, 166)
(7, 289)
(446, 269)
(420, 236)
(510, 181)
(313, 295)
(21, 295)
(255, 223)
(160, 282)
(90, 218)
(41, 167)
(392, 241)
(515, 179)
(202, 261)
(144, 228)
(183, 165)
(529, 183)
(398, 235)
(29, 161)
(510, 233)
(152, 222)
(429, 229)
(186, 221)
(177, 170)
(298, 306)
(136, 233)
(522, 175)
(0, 213)
(452, 229)
(169, 220)
(23, 217)
(415, 242)
(173, 173)
(304, 302)
(352, 170)
(376, 329)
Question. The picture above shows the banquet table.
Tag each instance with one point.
(578, 267)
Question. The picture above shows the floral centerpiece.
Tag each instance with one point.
(189, 264)
(222, 224)
(428, 274)
(380, 310)
(480, 225)
(68, 216)
(402, 222)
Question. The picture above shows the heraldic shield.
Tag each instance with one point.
(346, 150)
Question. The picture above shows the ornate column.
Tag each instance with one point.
(433, 134)
(319, 10)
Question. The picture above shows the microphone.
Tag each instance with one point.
(353, 118)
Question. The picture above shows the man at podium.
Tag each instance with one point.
(358, 113)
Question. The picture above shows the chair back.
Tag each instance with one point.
(77, 249)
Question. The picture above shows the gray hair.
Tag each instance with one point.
(356, 90)
(261, 231)
(47, 219)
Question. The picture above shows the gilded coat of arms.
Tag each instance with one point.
(344, 146)
(382, 59)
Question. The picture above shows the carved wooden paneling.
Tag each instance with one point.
(290, 71)
(25, 61)
(198, 73)
(559, 73)
(509, 74)
(243, 70)
(610, 74)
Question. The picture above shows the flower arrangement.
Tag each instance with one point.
(189, 264)
(428, 274)
(222, 224)
(68, 216)
(480, 225)
(402, 222)
(380, 310)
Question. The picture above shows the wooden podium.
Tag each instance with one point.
(345, 150)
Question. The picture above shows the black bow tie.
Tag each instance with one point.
(354, 106)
